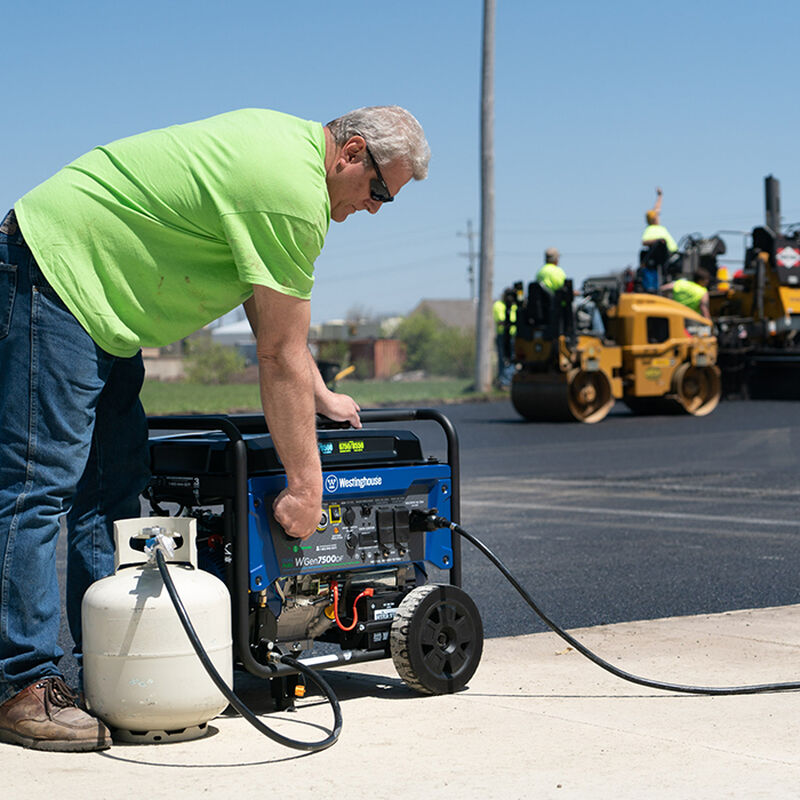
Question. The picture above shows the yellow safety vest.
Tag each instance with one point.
(551, 276)
(660, 232)
(499, 313)
(688, 293)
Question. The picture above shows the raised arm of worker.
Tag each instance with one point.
(653, 232)
(659, 197)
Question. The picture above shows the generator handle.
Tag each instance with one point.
(411, 414)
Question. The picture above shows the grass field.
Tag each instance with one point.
(186, 398)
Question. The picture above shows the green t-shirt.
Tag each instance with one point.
(551, 276)
(151, 237)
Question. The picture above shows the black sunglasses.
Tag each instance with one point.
(378, 190)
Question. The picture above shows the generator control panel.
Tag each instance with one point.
(365, 523)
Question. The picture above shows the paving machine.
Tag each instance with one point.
(574, 361)
(758, 314)
(369, 584)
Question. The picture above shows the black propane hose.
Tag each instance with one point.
(230, 695)
(429, 520)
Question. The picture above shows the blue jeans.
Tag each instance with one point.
(505, 368)
(73, 439)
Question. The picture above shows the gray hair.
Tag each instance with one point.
(392, 133)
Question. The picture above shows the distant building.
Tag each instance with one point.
(360, 343)
(456, 313)
(234, 333)
(363, 343)
(344, 330)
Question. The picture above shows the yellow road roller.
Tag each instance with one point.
(574, 360)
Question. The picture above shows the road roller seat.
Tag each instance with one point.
(563, 319)
(654, 256)
(539, 305)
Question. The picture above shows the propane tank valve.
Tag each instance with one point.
(158, 539)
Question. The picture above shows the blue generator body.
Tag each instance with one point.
(365, 572)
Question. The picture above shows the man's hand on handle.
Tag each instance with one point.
(339, 407)
(297, 514)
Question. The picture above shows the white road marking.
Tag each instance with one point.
(625, 512)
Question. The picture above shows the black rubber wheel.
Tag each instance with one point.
(436, 639)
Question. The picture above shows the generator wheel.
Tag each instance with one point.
(698, 389)
(436, 639)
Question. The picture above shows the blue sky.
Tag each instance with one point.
(595, 105)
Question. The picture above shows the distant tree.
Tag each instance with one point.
(336, 351)
(209, 362)
(435, 347)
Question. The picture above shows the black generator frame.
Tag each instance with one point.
(236, 515)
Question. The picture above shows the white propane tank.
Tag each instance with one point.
(142, 676)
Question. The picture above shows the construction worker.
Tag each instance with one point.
(655, 231)
(551, 276)
(691, 293)
(137, 244)
(503, 339)
(660, 250)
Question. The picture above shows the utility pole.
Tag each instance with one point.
(483, 326)
(470, 254)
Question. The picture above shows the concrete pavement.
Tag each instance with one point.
(537, 721)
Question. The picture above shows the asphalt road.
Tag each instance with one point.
(631, 518)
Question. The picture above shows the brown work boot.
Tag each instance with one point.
(45, 716)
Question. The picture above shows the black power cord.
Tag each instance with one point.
(230, 696)
(429, 521)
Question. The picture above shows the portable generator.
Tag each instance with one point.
(366, 585)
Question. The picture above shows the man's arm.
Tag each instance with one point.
(339, 407)
(705, 308)
(659, 196)
(287, 396)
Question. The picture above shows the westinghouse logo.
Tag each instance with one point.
(334, 482)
